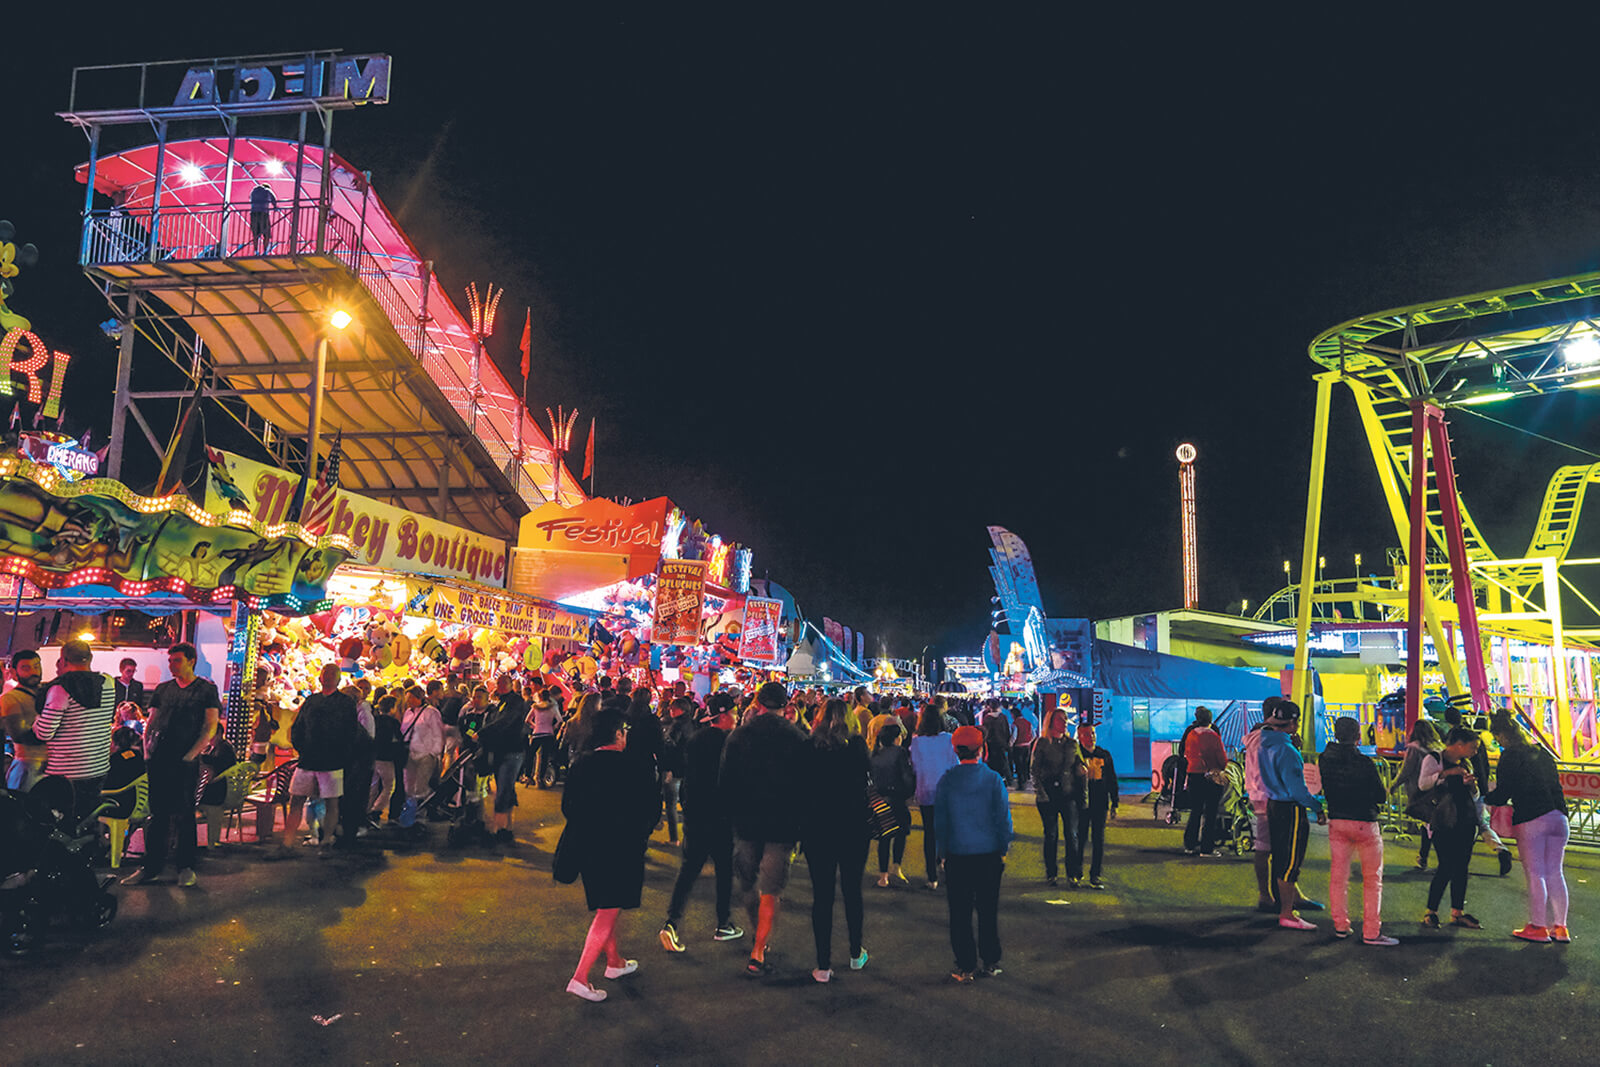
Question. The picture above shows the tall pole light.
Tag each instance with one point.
(1360, 608)
(1288, 581)
(561, 424)
(481, 310)
(1191, 578)
(338, 319)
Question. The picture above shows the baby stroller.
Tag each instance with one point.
(1236, 819)
(457, 799)
(47, 866)
(1171, 784)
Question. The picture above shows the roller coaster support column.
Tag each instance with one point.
(1416, 564)
(1460, 574)
(1301, 692)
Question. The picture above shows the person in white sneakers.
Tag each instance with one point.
(1354, 792)
(1288, 800)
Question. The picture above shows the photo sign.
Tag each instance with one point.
(680, 598)
(492, 609)
(759, 642)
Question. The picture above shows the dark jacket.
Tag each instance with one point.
(702, 763)
(675, 739)
(1527, 780)
(835, 808)
(645, 738)
(892, 774)
(324, 733)
(1350, 783)
(1102, 785)
(1058, 770)
(763, 779)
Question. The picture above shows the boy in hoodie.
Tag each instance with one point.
(1288, 800)
(1354, 791)
(972, 820)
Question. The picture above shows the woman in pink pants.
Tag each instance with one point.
(1354, 792)
(1526, 779)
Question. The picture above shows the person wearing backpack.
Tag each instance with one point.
(1022, 735)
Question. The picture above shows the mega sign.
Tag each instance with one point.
(385, 536)
(325, 80)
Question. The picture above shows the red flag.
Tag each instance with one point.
(588, 453)
(527, 344)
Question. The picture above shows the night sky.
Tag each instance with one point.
(850, 287)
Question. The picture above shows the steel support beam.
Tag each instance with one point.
(1301, 692)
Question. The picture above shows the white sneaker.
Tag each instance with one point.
(627, 968)
(822, 976)
(586, 991)
(1296, 923)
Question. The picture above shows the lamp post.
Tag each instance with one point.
(1360, 608)
(1288, 581)
(338, 319)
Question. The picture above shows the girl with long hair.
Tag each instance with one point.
(834, 833)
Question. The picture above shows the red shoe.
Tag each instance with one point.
(1537, 934)
(1559, 933)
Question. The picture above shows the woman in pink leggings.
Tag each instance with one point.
(1527, 780)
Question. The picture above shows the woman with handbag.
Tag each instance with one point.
(1527, 779)
(834, 832)
(1447, 802)
(611, 804)
(1424, 740)
(895, 781)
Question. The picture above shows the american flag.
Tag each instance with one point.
(318, 511)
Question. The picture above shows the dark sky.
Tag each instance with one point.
(852, 286)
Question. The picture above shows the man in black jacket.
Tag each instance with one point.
(1101, 801)
(762, 792)
(707, 833)
(324, 737)
(1354, 792)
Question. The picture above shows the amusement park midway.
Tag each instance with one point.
(663, 538)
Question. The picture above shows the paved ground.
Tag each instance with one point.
(424, 956)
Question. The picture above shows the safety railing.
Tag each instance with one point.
(188, 232)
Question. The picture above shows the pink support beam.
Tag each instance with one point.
(1460, 574)
(1417, 564)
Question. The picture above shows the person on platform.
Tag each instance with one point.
(896, 782)
(184, 712)
(75, 720)
(1205, 761)
(19, 707)
(611, 803)
(707, 832)
(931, 756)
(1283, 777)
(834, 832)
(1354, 792)
(762, 785)
(972, 820)
(262, 204)
(1100, 801)
(129, 689)
(1528, 780)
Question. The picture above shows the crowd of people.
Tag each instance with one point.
(750, 780)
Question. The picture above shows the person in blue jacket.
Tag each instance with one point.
(972, 821)
(1283, 777)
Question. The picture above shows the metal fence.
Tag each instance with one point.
(216, 231)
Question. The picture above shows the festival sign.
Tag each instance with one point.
(59, 534)
(492, 609)
(680, 598)
(759, 642)
(563, 551)
(385, 536)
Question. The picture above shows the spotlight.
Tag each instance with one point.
(274, 168)
(191, 174)
(1582, 350)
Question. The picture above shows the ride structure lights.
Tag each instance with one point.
(1191, 577)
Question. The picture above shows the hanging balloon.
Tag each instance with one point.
(402, 648)
(533, 655)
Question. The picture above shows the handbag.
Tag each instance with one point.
(1423, 808)
(564, 866)
(1500, 816)
(881, 819)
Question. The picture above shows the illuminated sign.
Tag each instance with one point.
(63, 453)
(1579, 784)
(385, 536)
(323, 80)
(31, 368)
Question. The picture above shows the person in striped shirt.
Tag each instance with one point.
(75, 724)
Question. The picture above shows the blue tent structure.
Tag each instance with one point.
(1151, 696)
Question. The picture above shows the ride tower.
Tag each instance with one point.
(1191, 572)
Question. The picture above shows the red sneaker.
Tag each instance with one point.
(1559, 933)
(1533, 933)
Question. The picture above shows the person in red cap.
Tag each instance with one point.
(972, 820)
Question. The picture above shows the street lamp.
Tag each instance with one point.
(1288, 582)
(338, 319)
(1361, 609)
